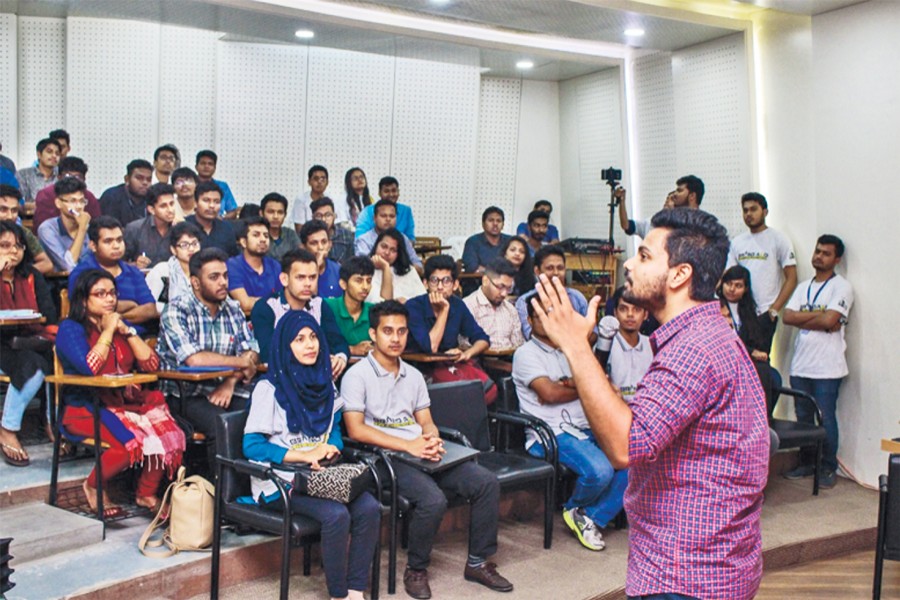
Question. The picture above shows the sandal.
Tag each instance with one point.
(110, 511)
(15, 457)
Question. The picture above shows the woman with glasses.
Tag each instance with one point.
(25, 351)
(390, 248)
(135, 423)
(172, 278)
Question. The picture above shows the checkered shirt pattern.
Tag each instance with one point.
(698, 461)
(501, 323)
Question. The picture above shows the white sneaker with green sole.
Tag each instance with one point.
(584, 529)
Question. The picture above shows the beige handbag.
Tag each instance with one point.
(188, 506)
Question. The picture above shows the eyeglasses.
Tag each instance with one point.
(7, 246)
(9, 210)
(73, 202)
(323, 216)
(166, 157)
(439, 281)
(187, 245)
(500, 287)
(180, 182)
(104, 294)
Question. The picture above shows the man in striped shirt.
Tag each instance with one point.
(695, 437)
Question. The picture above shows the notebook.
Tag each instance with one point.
(455, 454)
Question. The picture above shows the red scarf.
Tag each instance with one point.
(19, 294)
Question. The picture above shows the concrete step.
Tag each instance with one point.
(24, 485)
(40, 531)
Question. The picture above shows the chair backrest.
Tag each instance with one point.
(63, 303)
(892, 513)
(509, 438)
(229, 443)
(460, 405)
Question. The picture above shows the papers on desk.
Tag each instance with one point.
(19, 313)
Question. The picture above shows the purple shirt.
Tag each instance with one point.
(698, 461)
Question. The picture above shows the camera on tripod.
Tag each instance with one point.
(612, 176)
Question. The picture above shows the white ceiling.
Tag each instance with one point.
(803, 7)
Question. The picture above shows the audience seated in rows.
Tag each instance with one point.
(281, 239)
(389, 190)
(394, 278)
(107, 249)
(317, 178)
(215, 232)
(385, 218)
(25, 351)
(482, 248)
(350, 308)
(314, 238)
(185, 181)
(551, 233)
(147, 239)
(137, 426)
(205, 165)
(253, 274)
(491, 308)
(9, 212)
(386, 404)
(65, 237)
(171, 278)
(300, 278)
(342, 241)
(127, 201)
(515, 250)
(45, 201)
(43, 173)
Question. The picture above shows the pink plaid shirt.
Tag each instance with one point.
(501, 323)
(698, 461)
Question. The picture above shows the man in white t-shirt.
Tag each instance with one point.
(546, 390)
(630, 355)
(819, 309)
(317, 178)
(767, 254)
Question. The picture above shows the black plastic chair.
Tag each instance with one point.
(233, 473)
(460, 405)
(888, 544)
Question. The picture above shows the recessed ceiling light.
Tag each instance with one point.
(634, 32)
(305, 34)
(524, 64)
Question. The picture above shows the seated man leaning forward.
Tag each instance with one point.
(253, 274)
(546, 390)
(386, 404)
(208, 329)
(107, 244)
(491, 309)
(300, 278)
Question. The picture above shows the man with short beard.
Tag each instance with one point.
(107, 243)
(215, 232)
(252, 274)
(208, 329)
(699, 416)
(483, 248)
(146, 240)
(127, 201)
(491, 309)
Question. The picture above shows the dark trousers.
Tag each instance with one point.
(428, 495)
(202, 414)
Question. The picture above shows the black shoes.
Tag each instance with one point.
(488, 576)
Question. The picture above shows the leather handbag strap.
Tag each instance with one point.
(164, 509)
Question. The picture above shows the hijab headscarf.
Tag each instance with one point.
(305, 392)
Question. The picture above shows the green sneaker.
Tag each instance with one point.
(584, 529)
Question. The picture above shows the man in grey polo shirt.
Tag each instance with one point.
(546, 390)
(631, 354)
(386, 404)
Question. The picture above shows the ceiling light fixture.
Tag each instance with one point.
(305, 34)
(634, 32)
(524, 64)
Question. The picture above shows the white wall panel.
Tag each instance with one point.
(349, 103)
(498, 132)
(593, 142)
(260, 117)
(9, 98)
(187, 86)
(538, 156)
(654, 120)
(712, 122)
(42, 80)
(112, 92)
(434, 143)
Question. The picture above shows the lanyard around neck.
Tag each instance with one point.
(819, 291)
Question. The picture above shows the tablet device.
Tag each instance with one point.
(455, 454)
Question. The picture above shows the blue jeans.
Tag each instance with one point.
(599, 489)
(825, 391)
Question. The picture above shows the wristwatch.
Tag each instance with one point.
(773, 314)
(131, 331)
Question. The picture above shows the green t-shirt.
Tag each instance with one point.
(353, 331)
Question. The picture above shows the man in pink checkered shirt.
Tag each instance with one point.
(695, 438)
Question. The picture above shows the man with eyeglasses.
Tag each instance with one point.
(9, 211)
(166, 159)
(171, 279)
(65, 237)
(45, 201)
(317, 178)
(147, 239)
(107, 244)
(491, 309)
(342, 241)
(184, 180)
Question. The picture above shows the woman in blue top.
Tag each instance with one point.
(294, 418)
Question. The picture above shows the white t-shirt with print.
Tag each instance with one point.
(820, 354)
(765, 255)
(628, 364)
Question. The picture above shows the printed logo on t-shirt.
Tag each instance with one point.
(753, 256)
(842, 303)
(394, 423)
(628, 392)
(303, 442)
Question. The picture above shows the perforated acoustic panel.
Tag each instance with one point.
(42, 79)
(9, 99)
(498, 132)
(655, 133)
(112, 89)
(712, 124)
(187, 90)
(260, 118)
(593, 142)
(434, 140)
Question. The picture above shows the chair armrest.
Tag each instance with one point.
(375, 455)
(246, 467)
(454, 435)
(802, 395)
(539, 426)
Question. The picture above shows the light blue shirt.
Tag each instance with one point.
(575, 297)
(228, 201)
(405, 223)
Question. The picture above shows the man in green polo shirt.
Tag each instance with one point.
(350, 308)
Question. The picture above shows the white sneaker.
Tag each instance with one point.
(584, 529)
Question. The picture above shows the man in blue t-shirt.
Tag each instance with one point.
(252, 274)
(552, 234)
